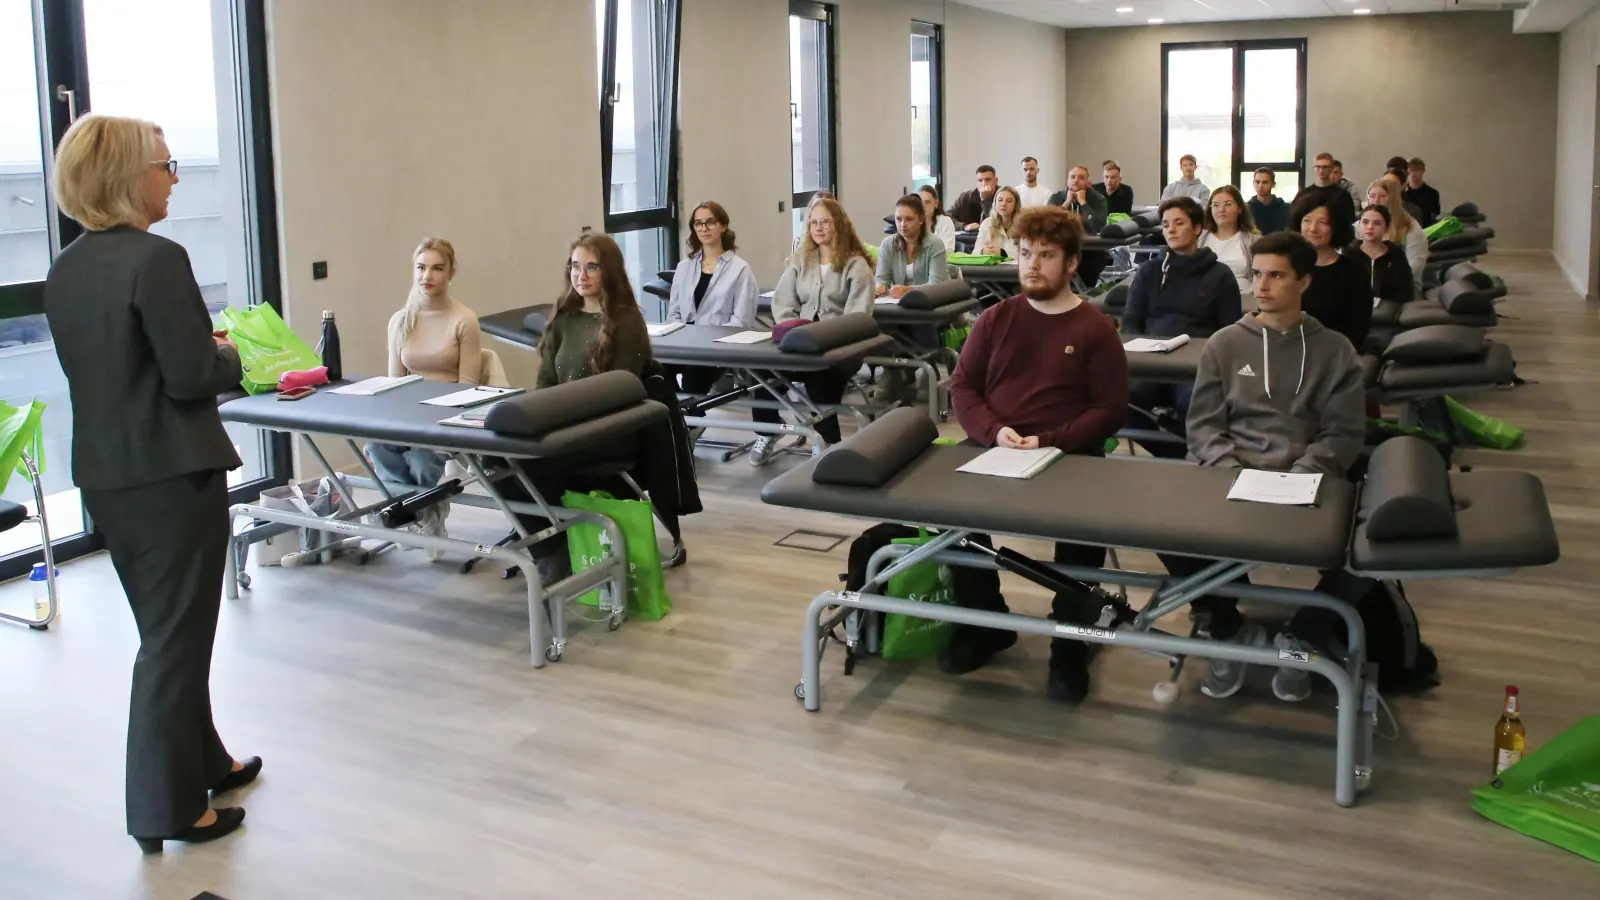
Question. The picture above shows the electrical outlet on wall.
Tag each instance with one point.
(319, 270)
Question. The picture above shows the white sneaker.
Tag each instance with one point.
(766, 447)
(1291, 685)
(431, 522)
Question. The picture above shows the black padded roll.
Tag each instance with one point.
(537, 413)
(1407, 493)
(877, 453)
(536, 322)
(1125, 228)
(1463, 298)
(1148, 219)
(933, 296)
(1436, 344)
(820, 337)
(1465, 210)
(1465, 271)
(662, 289)
(1117, 297)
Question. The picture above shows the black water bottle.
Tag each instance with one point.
(328, 347)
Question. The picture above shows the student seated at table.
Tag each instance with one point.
(827, 277)
(1229, 234)
(436, 336)
(942, 226)
(1187, 185)
(1403, 229)
(1384, 261)
(1275, 391)
(1185, 290)
(1339, 296)
(597, 327)
(972, 207)
(994, 235)
(1268, 211)
(1080, 198)
(1042, 368)
(712, 286)
(911, 257)
(1119, 197)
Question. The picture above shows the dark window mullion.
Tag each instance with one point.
(608, 82)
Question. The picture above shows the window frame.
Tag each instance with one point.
(1239, 163)
(935, 33)
(665, 216)
(827, 14)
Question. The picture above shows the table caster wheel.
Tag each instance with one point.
(244, 581)
(1165, 692)
(552, 653)
(614, 622)
(1363, 778)
(800, 692)
(40, 627)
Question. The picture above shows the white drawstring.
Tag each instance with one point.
(1266, 360)
(1302, 381)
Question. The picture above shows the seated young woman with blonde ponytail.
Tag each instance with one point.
(437, 337)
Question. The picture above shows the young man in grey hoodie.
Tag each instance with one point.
(1274, 391)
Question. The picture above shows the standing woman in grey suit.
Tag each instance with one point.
(143, 371)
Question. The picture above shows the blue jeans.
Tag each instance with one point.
(406, 465)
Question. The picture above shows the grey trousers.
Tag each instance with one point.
(168, 542)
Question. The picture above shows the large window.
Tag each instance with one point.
(810, 103)
(927, 106)
(197, 69)
(638, 58)
(1236, 107)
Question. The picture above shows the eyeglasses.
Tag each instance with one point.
(703, 223)
(1226, 204)
(171, 165)
(590, 269)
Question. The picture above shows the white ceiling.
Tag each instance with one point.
(1103, 14)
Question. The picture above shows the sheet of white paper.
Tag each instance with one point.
(473, 396)
(371, 386)
(1283, 488)
(1155, 345)
(662, 329)
(1005, 462)
(465, 420)
(746, 337)
(886, 301)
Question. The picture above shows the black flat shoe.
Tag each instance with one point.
(236, 780)
(229, 818)
(680, 555)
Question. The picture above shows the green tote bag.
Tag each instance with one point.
(909, 637)
(20, 433)
(267, 346)
(1553, 794)
(586, 544)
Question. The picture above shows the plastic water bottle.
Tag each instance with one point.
(38, 581)
(328, 346)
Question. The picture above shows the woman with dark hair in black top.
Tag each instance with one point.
(1340, 296)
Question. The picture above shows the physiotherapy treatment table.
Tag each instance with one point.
(1409, 519)
(766, 370)
(559, 424)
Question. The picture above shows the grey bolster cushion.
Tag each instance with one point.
(1436, 344)
(933, 296)
(1407, 493)
(1463, 271)
(1124, 228)
(820, 337)
(875, 454)
(537, 413)
(1462, 298)
(1464, 209)
(1148, 219)
(535, 322)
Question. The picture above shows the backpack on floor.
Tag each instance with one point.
(967, 583)
(1406, 665)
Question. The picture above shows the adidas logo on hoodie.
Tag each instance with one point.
(1246, 371)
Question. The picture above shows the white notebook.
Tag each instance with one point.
(1155, 345)
(473, 396)
(1005, 462)
(1282, 488)
(372, 386)
(886, 301)
(662, 329)
(746, 337)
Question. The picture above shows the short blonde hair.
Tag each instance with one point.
(100, 169)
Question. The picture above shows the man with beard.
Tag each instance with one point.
(1041, 369)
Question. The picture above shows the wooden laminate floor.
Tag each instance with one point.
(412, 752)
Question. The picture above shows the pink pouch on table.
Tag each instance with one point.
(783, 328)
(303, 378)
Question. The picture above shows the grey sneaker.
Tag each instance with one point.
(765, 449)
(1291, 685)
(1227, 676)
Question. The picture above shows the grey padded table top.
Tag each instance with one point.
(892, 314)
(696, 345)
(1176, 367)
(1000, 273)
(508, 326)
(1092, 500)
(1502, 521)
(399, 417)
(1495, 367)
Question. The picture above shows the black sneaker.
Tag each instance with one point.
(1069, 672)
(971, 648)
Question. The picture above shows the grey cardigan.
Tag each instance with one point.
(929, 266)
(818, 292)
(143, 373)
(730, 298)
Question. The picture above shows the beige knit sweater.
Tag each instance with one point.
(442, 346)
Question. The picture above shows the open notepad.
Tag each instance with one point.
(1007, 463)
(662, 329)
(1155, 345)
(746, 337)
(373, 386)
(472, 396)
(1282, 488)
(469, 418)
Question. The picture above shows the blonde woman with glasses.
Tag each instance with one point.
(1230, 234)
(144, 369)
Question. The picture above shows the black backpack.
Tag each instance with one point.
(1406, 665)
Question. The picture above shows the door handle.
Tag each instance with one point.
(69, 97)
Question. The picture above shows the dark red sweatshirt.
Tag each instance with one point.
(1062, 378)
